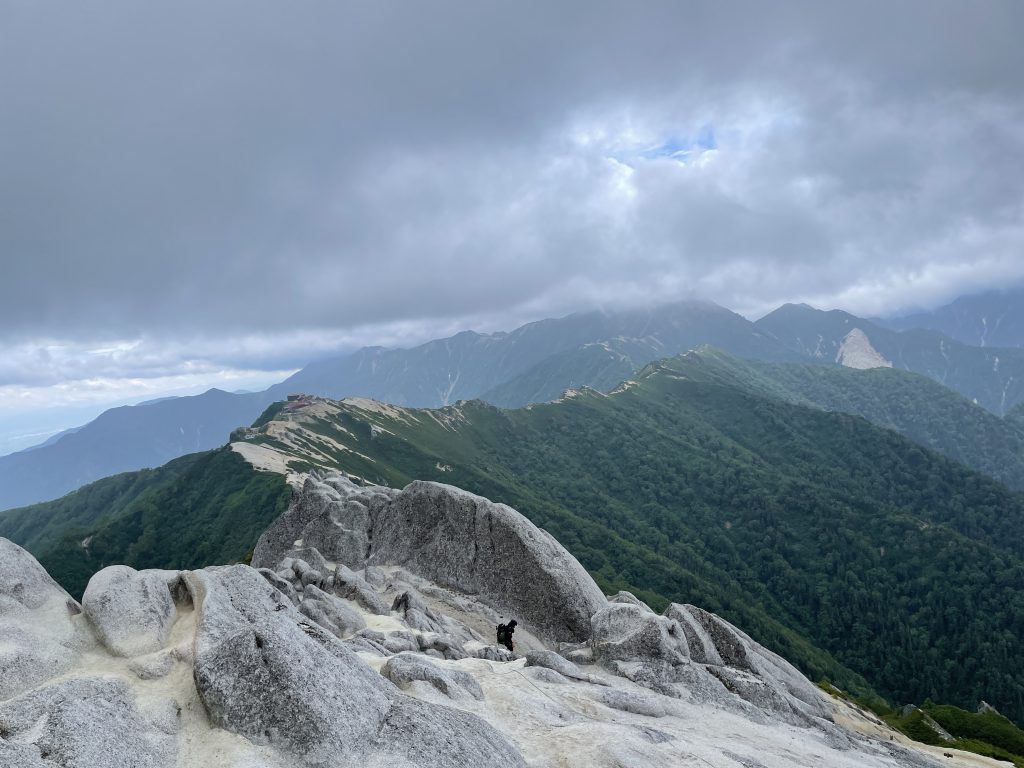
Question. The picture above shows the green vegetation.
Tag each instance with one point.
(1016, 416)
(916, 407)
(984, 733)
(853, 552)
(795, 523)
(198, 510)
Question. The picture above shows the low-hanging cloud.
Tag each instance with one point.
(247, 184)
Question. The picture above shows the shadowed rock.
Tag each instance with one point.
(330, 612)
(775, 683)
(688, 652)
(351, 586)
(626, 632)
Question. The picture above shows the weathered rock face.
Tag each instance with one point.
(131, 611)
(405, 668)
(330, 612)
(688, 651)
(738, 652)
(331, 516)
(269, 669)
(82, 723)
(38, 635)
(561, 665)
(24, 581)
(624, 632)
(263, 671)
(448, 536)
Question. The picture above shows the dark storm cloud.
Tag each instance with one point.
(224, 181)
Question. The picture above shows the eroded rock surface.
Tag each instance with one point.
(83, 723)
(378, 650)
(39, 637)
(263, 671)
(406, 668)
(131, 611)
(448, 536)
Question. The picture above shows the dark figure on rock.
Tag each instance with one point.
(505, 634)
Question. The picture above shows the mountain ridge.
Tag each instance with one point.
(989, 319)
(810, 528)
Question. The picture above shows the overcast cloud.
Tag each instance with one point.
(198, 192)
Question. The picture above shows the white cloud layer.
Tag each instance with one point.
(242, 186)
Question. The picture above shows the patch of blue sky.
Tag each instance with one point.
(681, 147)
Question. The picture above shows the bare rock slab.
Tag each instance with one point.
(264, 671)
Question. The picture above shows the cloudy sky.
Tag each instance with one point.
(197, 194)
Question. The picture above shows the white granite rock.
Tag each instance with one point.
(131, 611)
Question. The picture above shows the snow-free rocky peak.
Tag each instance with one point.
(364, 637)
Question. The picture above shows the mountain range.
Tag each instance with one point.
(534, 363)
(516, 365)
(990, 319)
(853, 551)
(992, 377)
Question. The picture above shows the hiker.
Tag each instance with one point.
(505, 634)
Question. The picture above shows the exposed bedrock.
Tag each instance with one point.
(449, 536)
(39, 634)
(690, 652)
(81, 723)
(131, 611)
(267, 673)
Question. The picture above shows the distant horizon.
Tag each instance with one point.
(56, 420)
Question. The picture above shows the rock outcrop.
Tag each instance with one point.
(689, 652)
(82, 723)
(131, 612)
(366, 637)
(444, 534)
(267, 674)
(39, 637)
(406, 668)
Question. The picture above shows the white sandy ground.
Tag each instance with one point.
(262, 457)
(200, 744)
(554, 724)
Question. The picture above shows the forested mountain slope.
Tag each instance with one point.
(196, 510)
(993, 377)
(532, 363)
(124, 439)
(812, 529)
(913, 405)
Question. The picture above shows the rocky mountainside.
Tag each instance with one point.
(703, 480)
(366, 641)
(991, 319)
(992, 377)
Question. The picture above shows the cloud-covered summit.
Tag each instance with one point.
(345, 171)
